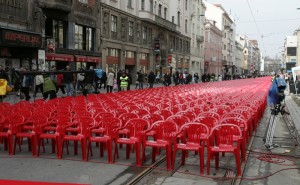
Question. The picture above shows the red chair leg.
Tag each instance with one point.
(138, 155)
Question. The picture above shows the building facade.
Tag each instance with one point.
(21, 35)
(213, 49)
(197, 33)
(225, 23)
(44, 33)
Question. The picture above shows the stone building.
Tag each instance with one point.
(42, 33)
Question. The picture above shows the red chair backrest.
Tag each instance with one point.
(140, 112)
(164, 113)
(225, 134)
(110, 124)
(236, 121)
(195, 131)
(179, 120)
(152, 118)
(126, 117)
(136, 126)
(119, 112)
(165, 130)
(209, 121)
(189, 114)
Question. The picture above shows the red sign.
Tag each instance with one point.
(18, 38)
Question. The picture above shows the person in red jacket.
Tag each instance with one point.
(59, 84)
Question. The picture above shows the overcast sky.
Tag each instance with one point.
(275, 19)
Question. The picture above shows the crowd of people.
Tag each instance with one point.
(91, 81)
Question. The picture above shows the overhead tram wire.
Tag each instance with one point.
(262, 37)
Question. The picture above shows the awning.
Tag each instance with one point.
(80, 58)
(59, 57)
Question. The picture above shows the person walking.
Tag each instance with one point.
(3, 75)
(49, 87)
(60, 85)
(124, 82)
(27, 82)
(151, 78)
(110, 80)
(39, 84)
(69, 81)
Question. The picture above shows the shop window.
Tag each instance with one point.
(129, 54)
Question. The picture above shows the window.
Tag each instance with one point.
(186, 25)
(89, 39)
(178, 18)
(144, 33)
(129, 3)
(78, 37)
(144, 56)
(150, 34)
(186, 4)
(130, 29)
(58, 33)
(113, 52)
(159, 10)
(143, 5)
(129, 54)
(173, 19)
(83, 38)
(165, 13)
(151, 6)
(114, 23)
(225, 46)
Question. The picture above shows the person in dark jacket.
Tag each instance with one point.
(26, 83)
(88, 81)
(103, 80)
(151, 78)
(120, 73)
(129, 80)
(69, 81)
(3, 74)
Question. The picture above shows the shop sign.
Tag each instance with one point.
(18, 38)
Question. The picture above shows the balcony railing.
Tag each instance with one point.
(165, 23)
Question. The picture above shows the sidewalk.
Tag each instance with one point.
(12, 98)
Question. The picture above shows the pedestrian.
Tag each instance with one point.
(49, 87)
(137, 81)
(69, 81)
(27, 82)
(141, 80)
(119, 75)
(39, 84)
(80, 81)
(129, 80)
(88, 80)
(196, 77)
(124, 82)
(151, 78)
(3, 75)
(103, 80)
(110, 80)
(60, 85)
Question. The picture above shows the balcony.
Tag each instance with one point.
(62, 5)
(83, 8)
(165, 23)
(199, 38)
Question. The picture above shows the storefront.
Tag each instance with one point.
(19, 48)
(76, 62)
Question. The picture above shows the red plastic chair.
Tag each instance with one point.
(118, 112)
(228, 138)
(191, 115)
(110, 125)
(54, 135)
(136, 128)
(210, 114)
(140, 112)
(84, 123)
(197, 133)
(242, 124)
(165, 134)
(164, 113)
